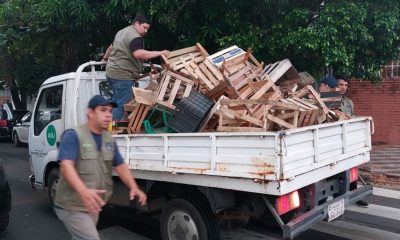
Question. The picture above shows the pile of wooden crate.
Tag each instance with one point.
(248, 96)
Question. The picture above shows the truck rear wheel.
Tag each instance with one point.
(52, 181)
(183, 219)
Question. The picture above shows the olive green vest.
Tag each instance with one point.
(93, 167)
(121, 64)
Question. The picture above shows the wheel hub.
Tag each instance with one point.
(181, 226)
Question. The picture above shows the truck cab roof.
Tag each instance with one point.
(72, 76)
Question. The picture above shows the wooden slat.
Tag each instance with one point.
(209, 74)
(182, 78)
(242, 116)
(279, 121)
(316, 97)
(239, 129)
(202, 50)
(144, 96)
(262, 90)
(189, 69)
(245, 92)
(301, 118)
(304, 102)
(204, 79)
(258, 64)
(188, 89)
(174, 91)
(296, 118)
(298, 103)
(182, 51)
(313, 117)
(164, 87)
(214, 110)
(214, 70)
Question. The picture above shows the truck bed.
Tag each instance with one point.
(263, 162)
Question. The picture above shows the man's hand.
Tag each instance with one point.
(91, 199)
(166, 53)
(137, 193)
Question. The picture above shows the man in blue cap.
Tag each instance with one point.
(328, 84)
(87, 156)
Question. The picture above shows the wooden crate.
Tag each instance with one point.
(181, 60)
(173, 86)
(234, 116)
(137, 117)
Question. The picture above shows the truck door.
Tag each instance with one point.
(47, 125)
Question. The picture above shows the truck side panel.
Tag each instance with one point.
(246, 155)
(322, 145)
(312, 154)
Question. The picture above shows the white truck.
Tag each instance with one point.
(202, 182)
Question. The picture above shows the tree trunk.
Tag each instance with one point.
(69, 64)
(18, 98)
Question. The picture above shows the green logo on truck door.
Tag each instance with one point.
(51, 135)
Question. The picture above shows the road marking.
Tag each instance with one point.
(242, 233)
(120, 233)
(354, 231)
(377, 210)
(383, 192)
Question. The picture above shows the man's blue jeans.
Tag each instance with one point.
(122, 94)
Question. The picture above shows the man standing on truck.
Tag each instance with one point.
(87, 154)
(348, 107)
(125, 58)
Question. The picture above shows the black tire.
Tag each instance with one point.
(17, 142)
(184, 219)
(4, 219)
(52, 181)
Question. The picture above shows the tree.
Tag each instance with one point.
(40, 38)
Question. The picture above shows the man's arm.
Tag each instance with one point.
(89, 197)
(145, 55)
(127, 178)
(108, 52)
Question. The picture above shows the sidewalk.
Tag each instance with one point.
(384, 168)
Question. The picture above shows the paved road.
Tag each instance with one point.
(32, 218)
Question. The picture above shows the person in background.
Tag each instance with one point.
(348, 108)
(328, 84)
(347, 104)
(125, 61)
(87, 156)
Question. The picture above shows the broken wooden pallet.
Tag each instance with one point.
(181, 60)
(173, 86)
(137, 117)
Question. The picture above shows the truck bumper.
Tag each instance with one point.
(300, 224)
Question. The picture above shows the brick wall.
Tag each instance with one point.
(382, 102)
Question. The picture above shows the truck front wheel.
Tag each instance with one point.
(17, 142)
(52, 181)
(184, 219)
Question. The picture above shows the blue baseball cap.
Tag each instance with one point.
(99, 100)
(330, 81)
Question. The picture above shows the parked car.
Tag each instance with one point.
(20, 131)
(8, 119)
(5, 199)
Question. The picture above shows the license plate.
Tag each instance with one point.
(335, 210)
